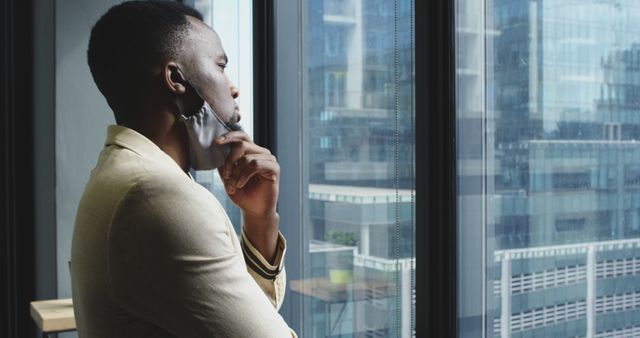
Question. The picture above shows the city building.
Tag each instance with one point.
(562, 104)
(360, 84)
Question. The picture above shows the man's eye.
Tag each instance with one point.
(223, 66)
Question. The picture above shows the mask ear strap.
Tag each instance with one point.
(186, 79)
(181, 73)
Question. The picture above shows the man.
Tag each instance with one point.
(153, 252)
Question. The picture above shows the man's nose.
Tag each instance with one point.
(235, 92)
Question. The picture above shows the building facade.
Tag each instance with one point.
(563, 247)
(360, 117)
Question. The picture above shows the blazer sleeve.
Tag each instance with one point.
(172, 263)
(270, 277)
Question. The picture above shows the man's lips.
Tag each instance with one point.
(237, 109)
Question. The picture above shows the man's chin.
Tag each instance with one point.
(234, 126)
(234, 123)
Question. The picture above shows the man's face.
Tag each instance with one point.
(205, 61)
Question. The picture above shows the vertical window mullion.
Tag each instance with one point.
(436, 253)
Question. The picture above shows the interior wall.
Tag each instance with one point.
(44, 149)
(81, 120)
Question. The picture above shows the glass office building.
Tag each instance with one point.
(359, 122)
(549, 154)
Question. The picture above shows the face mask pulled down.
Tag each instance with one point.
(203, 128)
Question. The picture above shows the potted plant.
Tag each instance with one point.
(340, 262)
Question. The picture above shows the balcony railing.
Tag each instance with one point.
(591, 272)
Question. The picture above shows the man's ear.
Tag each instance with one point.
(174, 80)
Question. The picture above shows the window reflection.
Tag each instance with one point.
(553, 87)
(359, 138)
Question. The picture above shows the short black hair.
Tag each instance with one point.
(128, 39)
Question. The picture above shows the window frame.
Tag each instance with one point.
(264, 116)
(17, 237)
(436, 168)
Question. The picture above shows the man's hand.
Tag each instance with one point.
(251, 176)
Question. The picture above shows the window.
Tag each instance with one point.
(549, 239)
(570, 180)
(351, 137)
(570, 224)
(632, 175)
(334, 89)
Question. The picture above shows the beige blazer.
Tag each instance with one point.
(155, 255)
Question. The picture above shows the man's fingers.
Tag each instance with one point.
(248, 165)
(240, 164)
(266, 169)
(243, 156)
(253, 162)
(249, 170)
(238, 150)
(234, 136)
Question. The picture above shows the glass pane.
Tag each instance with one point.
(358, 118)
(232, 20)
(548, 167)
